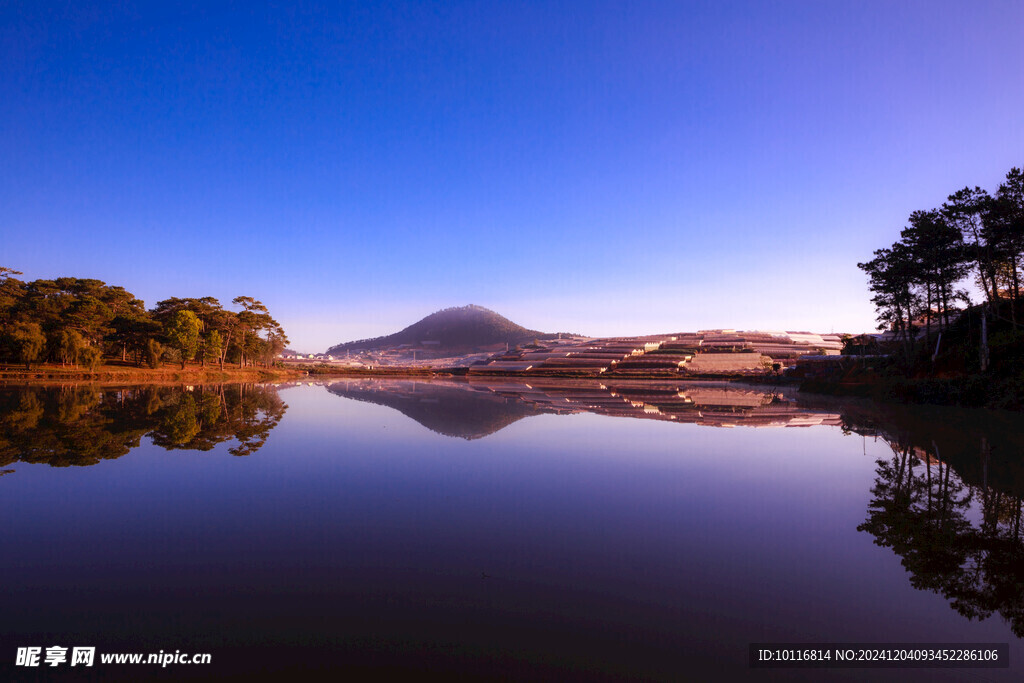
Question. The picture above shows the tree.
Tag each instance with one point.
(91, 357)
(210, 314)
(132, 332)
(1004, 229)
(275, 343)
(939, 259)
(207, 309)
(76, 314)
(11, 293)
(182, 333)
(251, 322)
(212, 346)
(966, 210)
(69, 347)
(28, 341)
(154, 352)
(88, 307)
(891, 274)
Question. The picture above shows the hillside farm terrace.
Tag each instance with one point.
(708, 352)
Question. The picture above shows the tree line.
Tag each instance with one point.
(918, 281)
(81, 322)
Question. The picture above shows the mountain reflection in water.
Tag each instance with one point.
(82, 425)
(475, 409)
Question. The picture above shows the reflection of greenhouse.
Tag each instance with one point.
(713, 405)
(708, 352)
(450, 403)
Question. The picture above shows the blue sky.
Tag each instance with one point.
(599, 167)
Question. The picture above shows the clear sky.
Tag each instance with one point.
(596, 167)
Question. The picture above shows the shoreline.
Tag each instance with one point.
(964, 391)
(49, 373)
(967, 392)
(129, 374)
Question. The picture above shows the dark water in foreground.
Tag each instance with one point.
(555, 531)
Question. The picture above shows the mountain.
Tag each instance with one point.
(461, 328)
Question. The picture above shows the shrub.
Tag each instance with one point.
(91, 357)
(154, 352)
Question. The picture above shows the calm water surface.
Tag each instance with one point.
(501, 530)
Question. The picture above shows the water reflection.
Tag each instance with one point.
(923, 510)
(949, 503)
(955, 523)
(946, 499)
(82, 425)
(452, 409)
(478, 408)
(985, 448)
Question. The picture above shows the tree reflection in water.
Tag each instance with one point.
(81, 425)
(958, 539)
(948, 501)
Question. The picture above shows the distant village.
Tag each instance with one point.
(707, 352)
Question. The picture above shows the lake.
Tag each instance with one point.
(555, 530)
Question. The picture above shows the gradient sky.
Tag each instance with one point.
(596, 167)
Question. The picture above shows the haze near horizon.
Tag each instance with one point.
(607, 168)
